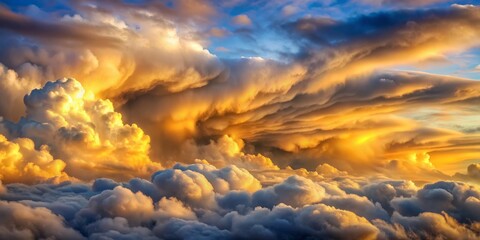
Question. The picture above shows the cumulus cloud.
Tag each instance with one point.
(23, 222)
(21, 162)
(119, 202)
(225, 151)
(225, 179)
(319, 221)
(64, 121)
(294, 191)
(13, 90)
(472, 175)
(384, 192)
(188, 186)
(242, 20)
(178, 207)
(326, 169)
(433, 225)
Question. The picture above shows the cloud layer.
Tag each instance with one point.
(201, 201)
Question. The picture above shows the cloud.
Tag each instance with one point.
(384, 192)
(218, 32)
(158, 138)
(119, 202)
(90, 44)
(318, 221)
(472, 175)
(476, 68)
(326, 169)
(178, 207)
(242, 20)
(23, 25)
(320, 105)
(13, 90)
(225, 179)
(434, 225)
(21, 162)
(23, 222)
(188, 186)
(118, 228)
(181, 229)
(2, 188)
(196, 184)
(330, 96)
(294, 191)
(408, 3)
(456, 199)
(359, 205)
(65, 122)
(223, 152)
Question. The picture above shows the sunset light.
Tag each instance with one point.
(238, 119)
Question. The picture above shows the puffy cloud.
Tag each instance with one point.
(297, 208)
(321, 105)
(318, 221)
(225, 179)
(21, 162)
(188, 186)
(359, 205)
(84, 132)
(117, 228)
(226, 151)
(183, 229)
(456, 199)
(472, 175)
(433, 225)
(384, 192)
(173, 208)
(119, 202)
(13, 89)
(294, 191)
(22, 222)
(197, 184)
(328, 170)
(242, 20)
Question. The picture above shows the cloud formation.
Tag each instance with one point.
(21, 162)
(83, 133)
(326, 120)
(186, 205)
(302, 112)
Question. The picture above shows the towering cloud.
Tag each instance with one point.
(64, 120)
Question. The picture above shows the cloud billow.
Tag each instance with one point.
(172, 207)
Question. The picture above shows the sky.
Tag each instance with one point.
(236, 119)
